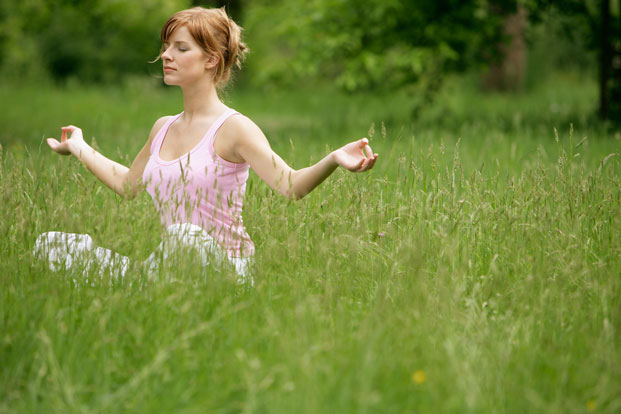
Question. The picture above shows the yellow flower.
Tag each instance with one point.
(591, 406)
(419, 376)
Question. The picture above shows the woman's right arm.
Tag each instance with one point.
(124, 181)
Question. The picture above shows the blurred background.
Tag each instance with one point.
(412, 52)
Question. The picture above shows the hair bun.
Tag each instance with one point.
(237, 49)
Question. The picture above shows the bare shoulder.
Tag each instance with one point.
(155, 129)
(240, 129)
(158, 125)
(238, 137)
(141, 159)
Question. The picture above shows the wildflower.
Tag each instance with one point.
(591, 406)
(419, 376)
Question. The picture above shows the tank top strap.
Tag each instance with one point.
(213, 130)
(159, 137)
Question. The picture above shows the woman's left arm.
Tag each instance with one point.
(251, 145)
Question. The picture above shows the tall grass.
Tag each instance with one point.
(475, 269)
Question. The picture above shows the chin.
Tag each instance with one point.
(169, 80)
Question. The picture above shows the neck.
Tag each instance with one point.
(201, 100)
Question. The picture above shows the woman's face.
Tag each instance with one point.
(184, 60)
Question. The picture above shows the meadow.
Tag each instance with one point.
(476, 269)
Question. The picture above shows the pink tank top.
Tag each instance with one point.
(201, 188)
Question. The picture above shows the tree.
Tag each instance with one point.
(381, 44)
(234, 8)
(600, 22)
(390, 44)
(93, 40)
(506, 71)
(610, 62)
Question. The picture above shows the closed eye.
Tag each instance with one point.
(181, 46)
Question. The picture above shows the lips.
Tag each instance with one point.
(168, 69)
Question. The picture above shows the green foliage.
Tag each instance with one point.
(93, 40)
(552, 46)
(483, 257)
(395, 45)
(582, 22)
(380, 45)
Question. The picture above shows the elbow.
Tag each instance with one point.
(128, 192)
(131, 192)
(294, 195)
(294, 191)
(125, 194)
(128, 195)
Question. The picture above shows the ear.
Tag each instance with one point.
(212, 62)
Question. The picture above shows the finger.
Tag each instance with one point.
(369, 151)
(68, 128)
(363, 165)
(363, 142)
(53, 144)
(373, 161)
(359, 165)
(63, 136)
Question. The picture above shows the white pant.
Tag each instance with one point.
(63, 250)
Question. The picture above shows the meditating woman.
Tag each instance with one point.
(195, 164)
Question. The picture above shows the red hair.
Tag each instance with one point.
(215, 32)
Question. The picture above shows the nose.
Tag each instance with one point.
(166, 54)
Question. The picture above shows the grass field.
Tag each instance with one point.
(476, 269)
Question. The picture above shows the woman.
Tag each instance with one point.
(195, 164)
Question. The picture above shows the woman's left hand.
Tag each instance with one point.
(70, 145)
(356, 156)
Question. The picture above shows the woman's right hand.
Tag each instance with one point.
(65, 146)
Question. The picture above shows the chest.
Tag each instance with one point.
(199, 176)
(180, 140)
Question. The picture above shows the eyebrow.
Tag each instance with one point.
(176, 42)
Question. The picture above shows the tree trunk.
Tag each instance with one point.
(605, 60)
(614, 103)
(508, 72)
